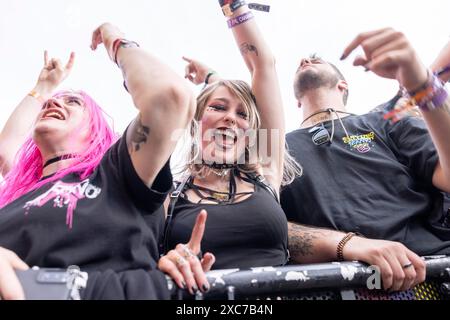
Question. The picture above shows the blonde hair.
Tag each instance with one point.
(242, 90)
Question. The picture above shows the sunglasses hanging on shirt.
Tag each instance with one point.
(320, 135)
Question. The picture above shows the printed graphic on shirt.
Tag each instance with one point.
(362, 143)
(65, 195)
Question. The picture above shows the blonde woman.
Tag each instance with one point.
(235, 169)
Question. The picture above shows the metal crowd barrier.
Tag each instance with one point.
(335, 281)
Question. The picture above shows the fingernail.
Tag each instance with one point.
(183, 284)
(205, 288)
(194, 289)
(343, 56)
(366, 69)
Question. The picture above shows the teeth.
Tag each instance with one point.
(54, 114)
(227, 133)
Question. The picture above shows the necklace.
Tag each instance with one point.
(330, 112)
(59, 158)
(221, 169)
(320, 133)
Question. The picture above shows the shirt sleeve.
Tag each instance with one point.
(414, 147)
(147, 199)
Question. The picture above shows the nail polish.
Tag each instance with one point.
(205, 288)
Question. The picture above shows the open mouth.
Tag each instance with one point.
(225, 138)
(54, 113)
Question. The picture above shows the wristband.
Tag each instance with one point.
(233, 22)
(209, 76)
(230, 6)
(37, 96)
(259, 7)
(121, 43)
(430, 96)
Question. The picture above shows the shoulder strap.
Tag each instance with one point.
(261, 181)
(174, 195)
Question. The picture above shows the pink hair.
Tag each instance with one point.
(26, 172)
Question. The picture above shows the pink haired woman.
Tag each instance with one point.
(76, 194)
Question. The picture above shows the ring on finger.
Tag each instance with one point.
(187, 253)
(180, 261)
(408, 265)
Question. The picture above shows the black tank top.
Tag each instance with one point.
(249, 233)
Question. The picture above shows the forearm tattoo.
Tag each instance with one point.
(139, 135)
(301, 239)
(248, 48)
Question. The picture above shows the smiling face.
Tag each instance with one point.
(225, 120)
(62, 123)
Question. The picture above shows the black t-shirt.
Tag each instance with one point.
(250, 233)
(116, 224)
(378, 182)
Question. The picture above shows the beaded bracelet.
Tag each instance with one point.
(341, 244)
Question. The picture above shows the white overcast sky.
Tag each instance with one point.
(197, 28)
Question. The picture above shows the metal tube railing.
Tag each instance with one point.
(297, 278)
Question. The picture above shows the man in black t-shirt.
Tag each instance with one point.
(364, 174)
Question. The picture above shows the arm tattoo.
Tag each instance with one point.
(139, 134)
(301, 239)
(248, 48)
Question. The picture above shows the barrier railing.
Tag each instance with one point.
(291, 280)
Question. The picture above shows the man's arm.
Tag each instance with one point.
(400, 268)
(389, 54)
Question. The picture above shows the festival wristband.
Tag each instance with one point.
(233, 22)
(37, 96)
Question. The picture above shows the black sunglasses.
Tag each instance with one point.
(320, 135)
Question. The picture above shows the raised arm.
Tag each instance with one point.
(199, 73)
(20, 122)
(165, 103)
(261, 64)
(400, 268)
(389, 54)
(442, 61)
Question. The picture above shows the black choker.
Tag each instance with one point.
(56, 159)
(220, 166)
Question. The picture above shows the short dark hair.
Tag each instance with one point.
(338, 73)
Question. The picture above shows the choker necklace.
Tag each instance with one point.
(221, 169)
(220, 166)
(56, 159)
